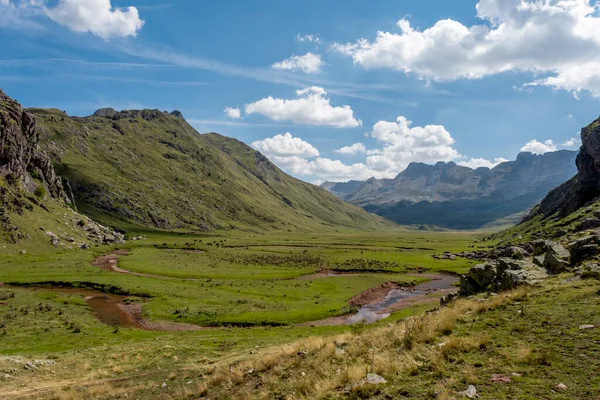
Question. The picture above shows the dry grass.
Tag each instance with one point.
(317, 367)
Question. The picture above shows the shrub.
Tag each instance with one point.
(35, 174)
(40, 192)
(517, 255)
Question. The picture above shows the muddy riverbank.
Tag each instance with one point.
(379, 303)
(118, 310)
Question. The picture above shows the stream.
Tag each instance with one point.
(375, 305)
(397, 299)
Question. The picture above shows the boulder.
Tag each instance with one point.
(557, 258)
(515, 252)
(499, 275)
(584, 248)
(540, 247)
(589, 223)
(588, 271)
(539, 260)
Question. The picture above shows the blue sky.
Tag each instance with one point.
(479, 79)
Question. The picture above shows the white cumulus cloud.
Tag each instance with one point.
(400, 144)
(356, 148)
(233, 113)
(311, 107)
(403, 144)
(309, 63)
(572, 143)
(98, 17)
(286, 145)
(557, 39)
(536, 147)
(475, 163)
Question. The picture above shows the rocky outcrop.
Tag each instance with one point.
(584, 187)
(21, 160)
(584, 248)
(499, 275)
(533, 262)
(146, 114)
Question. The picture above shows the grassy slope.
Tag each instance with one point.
(162, 173)
(532, 333)
(532, 337)
(553, 227)
(249, 280)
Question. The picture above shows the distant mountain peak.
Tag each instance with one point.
(455, 196)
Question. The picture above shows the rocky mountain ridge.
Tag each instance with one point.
(150, 168)
(29, 182)
(582, 188)
(454, 196)
(21, 159)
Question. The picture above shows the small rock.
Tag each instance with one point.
(371, 379)
(29, 366)
(471, 392)
(164, 385)
(84, 246)
(561, 386)
(516, 374)
(584, 327)
(497, 378)
(23, 252)
(303, 373)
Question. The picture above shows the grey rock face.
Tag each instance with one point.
(499, 275)
(105, 112)
(19, 152)
(557, 258)
(584, 248)
(589, 223)
(584, 187)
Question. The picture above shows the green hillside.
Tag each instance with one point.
(152, 169)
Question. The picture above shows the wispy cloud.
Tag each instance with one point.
(344, 89)
(138, 80)
(17, 62)
(214, 122)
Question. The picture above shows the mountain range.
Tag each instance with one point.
(457, 197)
(151, 169)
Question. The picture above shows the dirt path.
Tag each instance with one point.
(135, 312)
(110, 262)
(325, 273)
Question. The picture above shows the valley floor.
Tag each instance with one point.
(234, 316)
